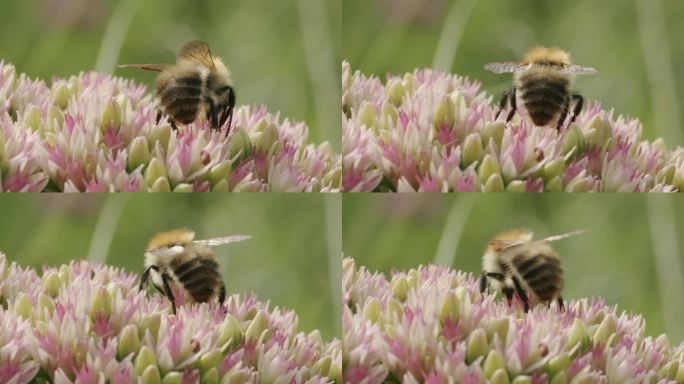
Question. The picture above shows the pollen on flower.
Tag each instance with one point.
(430, 131)
(97, 133)
(78, 328)
(431, 323)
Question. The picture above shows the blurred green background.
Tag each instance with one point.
(634, 45)
(630, 253)
(290, 260)
(284, 54)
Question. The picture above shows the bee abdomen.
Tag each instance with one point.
(181, 98)
(199, 276)
(543, 274)
(544, 98)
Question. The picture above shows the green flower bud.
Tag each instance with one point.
(111, 116)
(451, 308)
(367, 114)
(445, 113)
(183, 187)
(578, 337)
(211, 376)
(499, 377)
(264, 142)
(389, 113)
(666, 174)
(605, 330)
(573, 140)
(55, 118)
(229, 331)
(33, 118)
(372, 310)
(51, 284)
(155, 170)
(400, 288)
(240, 144)
(494, 131)
(221, 186)
(558, 364)
(64, 274)
(597, 132)
(554, 185)
(477, 345)
(494, 183)
(669, 371)
(161, 135)
(257, 327)
(488, 167)
(472, 149)
(145, 359)
(173, 378)
(516, 186)
(101, 304)
(151, 375)
(395, 92)
(219, 172)
(493, 363)
(322, 366)
(522, 380)
(210, 360)
(394, 309)
(553, 168)
(580, 184)
(139, 153)
(61, 96)
(129, 341)
(497, 327)
(150, 323)
(45, 303)
(161, 185)
(559, 378)
(23, 307)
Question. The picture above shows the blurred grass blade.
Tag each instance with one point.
(333, 218)
(668, 267)
(455, 23)
(453, 228)
(322, 66)
(655, 48)
(105, 226)
(108, 56)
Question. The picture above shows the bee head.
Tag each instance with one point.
(177, 237)
(505, 238)
(547, 56)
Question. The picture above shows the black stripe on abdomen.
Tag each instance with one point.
(199, 276)
(543, 274)
(543, 98)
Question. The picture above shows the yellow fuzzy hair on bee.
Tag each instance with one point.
(177, 236)
(553, 55)
(503, 239)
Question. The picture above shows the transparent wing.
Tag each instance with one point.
(222, 240)
(197, 51)
(505, 67)
(578, 70)
(561, 236)
(147, 67)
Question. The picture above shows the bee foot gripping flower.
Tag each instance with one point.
(432, 325)
(87, 322)
(435, 132)
(95, 132)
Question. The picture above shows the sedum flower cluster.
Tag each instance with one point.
(432, 325)
(430, 131)
(88, 323)
(95, 132)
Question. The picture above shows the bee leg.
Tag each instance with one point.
(563, 115)
(483, 282)
(174, 126)
(159, 116)
(227, 113)
(511, 98)
(145, 275)
(508, 292)
(521, 293)
(168, 292)
(502, 103)
(579, 102)
(213, 115)
(222, 294)
(560, 303)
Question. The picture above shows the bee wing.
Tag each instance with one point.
(579, 70)
(147, 67)
(222, 240)
(561, 236)
(505, 67)
(197, 51)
